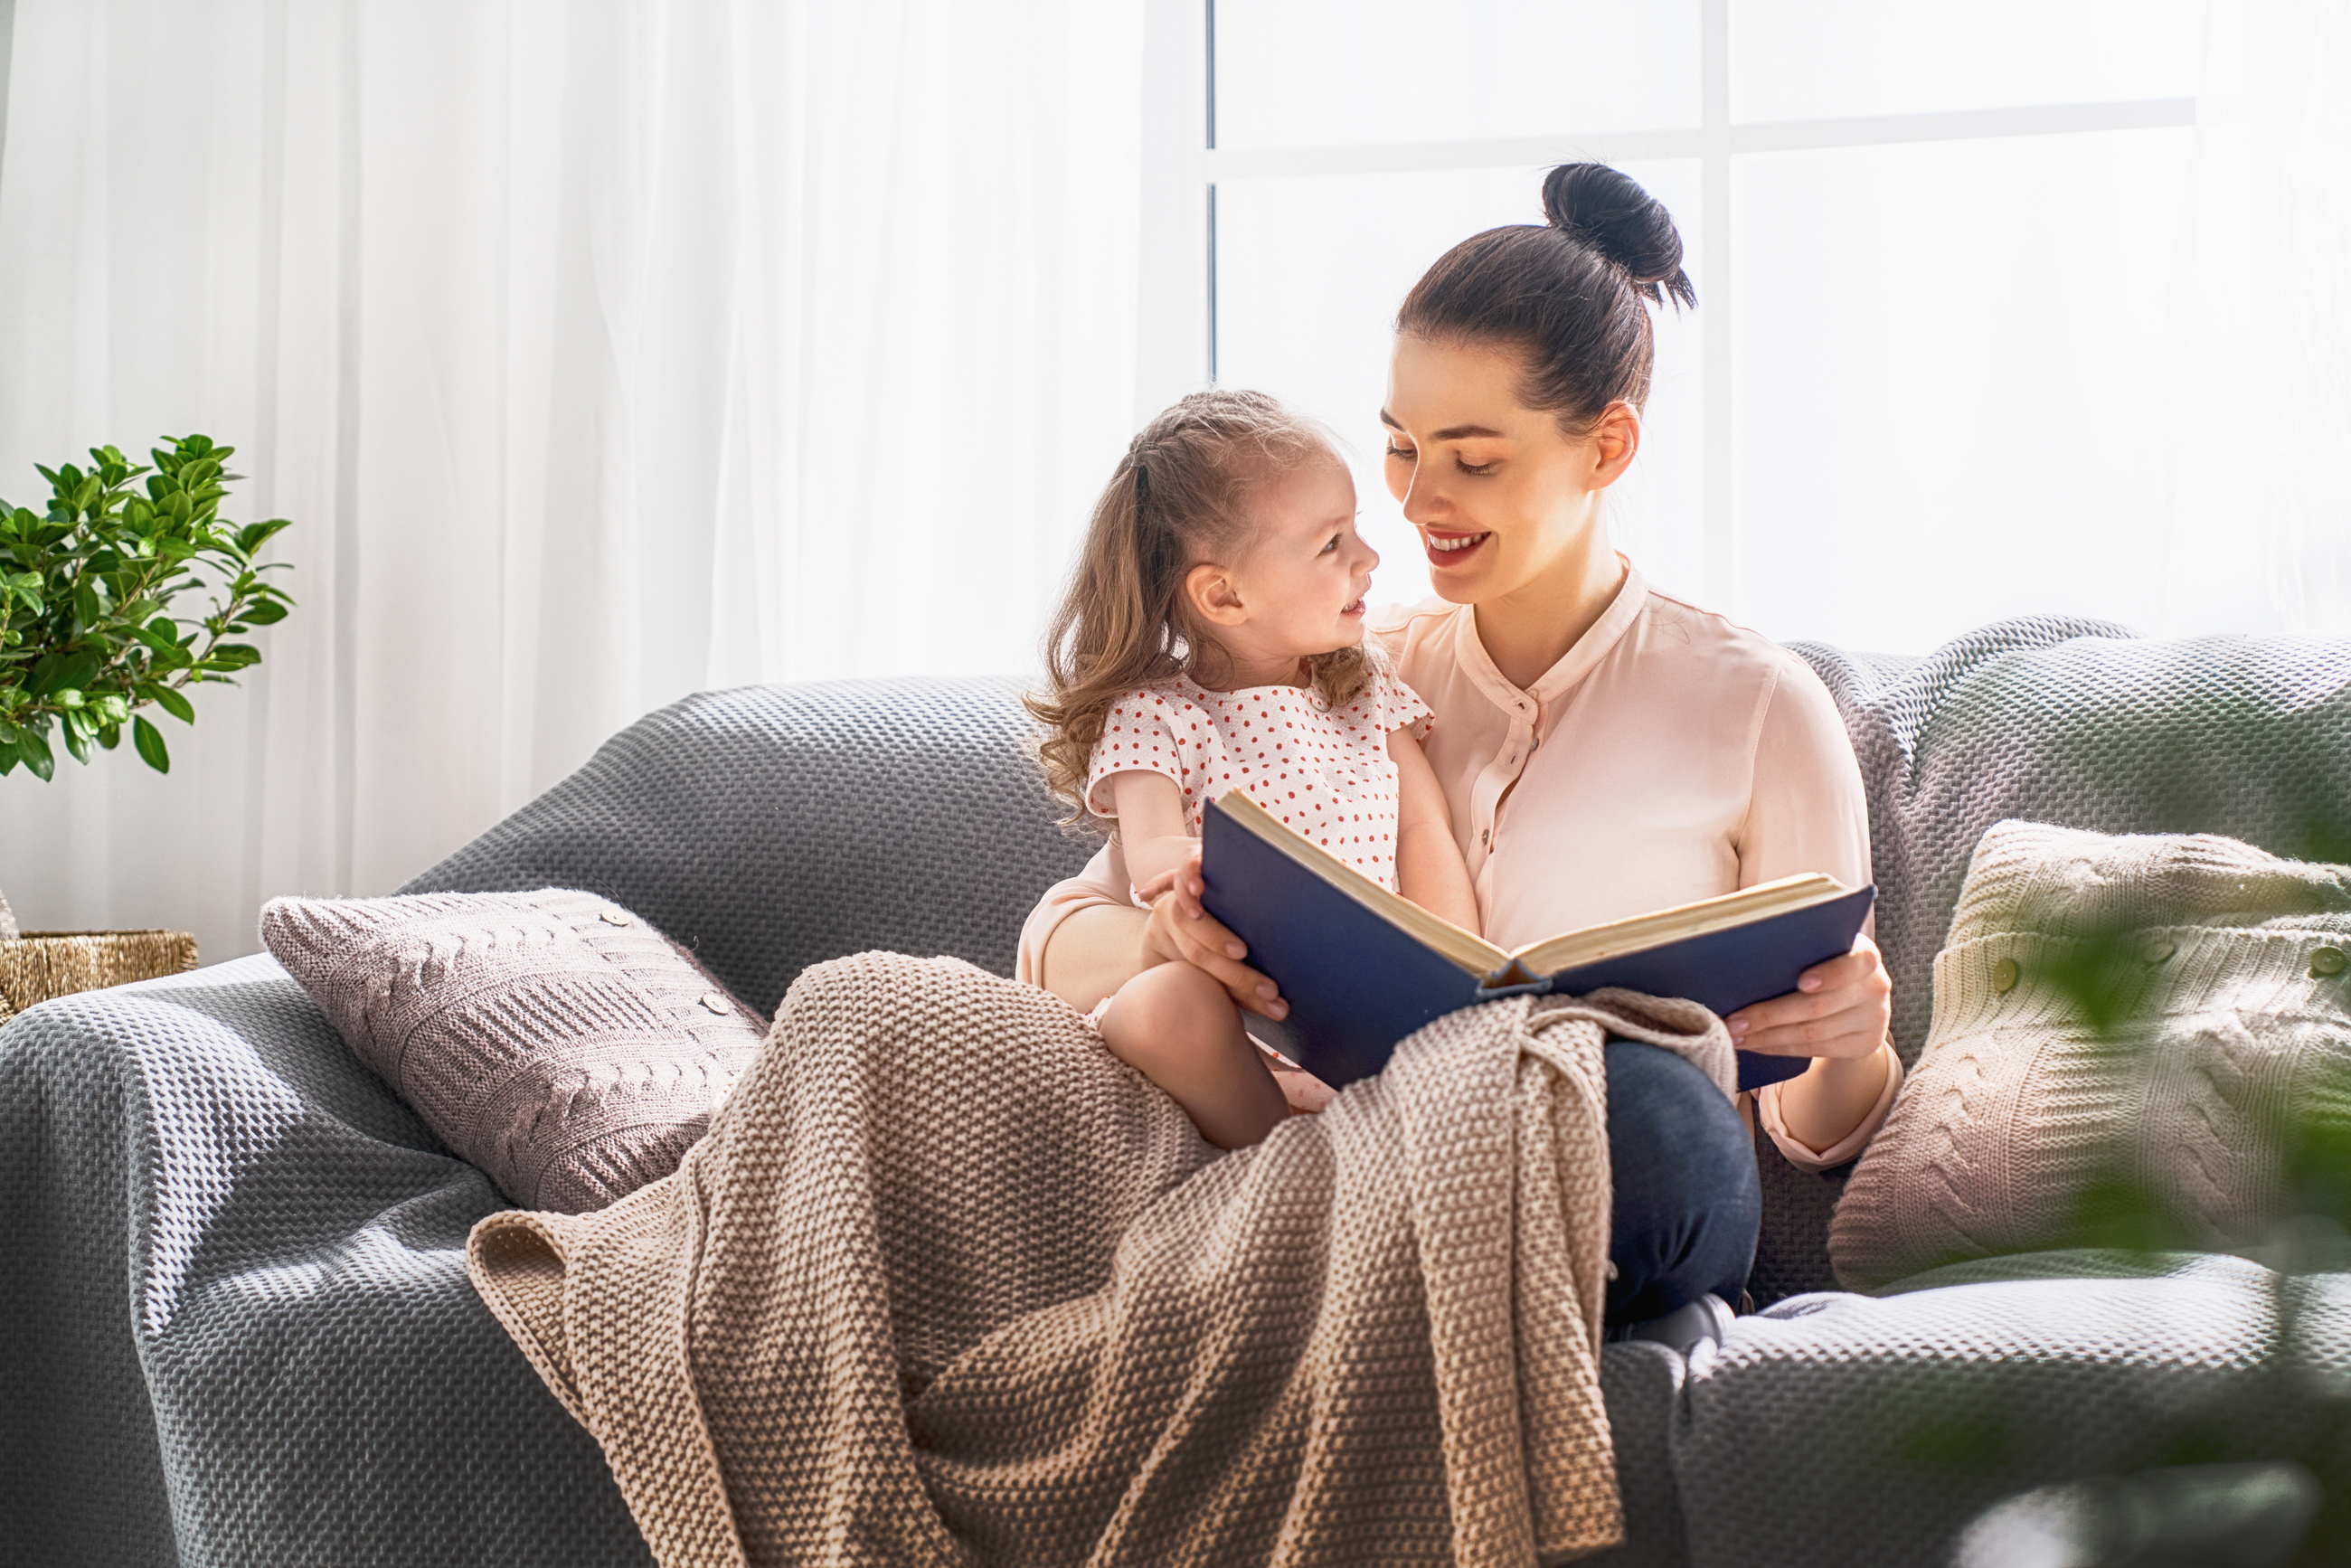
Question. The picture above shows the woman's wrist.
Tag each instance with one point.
(1828, 1103)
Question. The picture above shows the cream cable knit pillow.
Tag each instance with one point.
(2132, 1019)
(553, 1039)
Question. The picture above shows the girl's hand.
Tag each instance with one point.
(1180, 932)
(1839, 1009)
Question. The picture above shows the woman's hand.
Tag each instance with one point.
(1839, 1009)
(1181, 932)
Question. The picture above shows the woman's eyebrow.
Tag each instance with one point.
(1450, 433)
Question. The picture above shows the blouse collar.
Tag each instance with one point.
(1631, 597)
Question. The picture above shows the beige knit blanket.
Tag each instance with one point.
(946, 1283)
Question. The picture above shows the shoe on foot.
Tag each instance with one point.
(1705, 1321)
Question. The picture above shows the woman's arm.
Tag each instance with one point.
(1808, 812)
(1429, 869)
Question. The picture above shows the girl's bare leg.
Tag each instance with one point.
(1175, 1024)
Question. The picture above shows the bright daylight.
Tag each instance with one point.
(1111, 783)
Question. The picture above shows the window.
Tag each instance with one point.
(1937, 250)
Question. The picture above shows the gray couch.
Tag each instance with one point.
(235, 1313)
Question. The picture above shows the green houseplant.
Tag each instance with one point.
(87, 634)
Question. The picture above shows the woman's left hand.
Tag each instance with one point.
(1839, 1009)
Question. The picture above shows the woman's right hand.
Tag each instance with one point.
(1180, 931)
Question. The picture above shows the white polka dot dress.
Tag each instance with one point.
(1325, 773)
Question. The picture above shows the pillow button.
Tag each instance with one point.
(2158, 950)
(2003, 976)
(2328, 962)
(716, 1002)
(615, 916)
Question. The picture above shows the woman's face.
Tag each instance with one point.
(1501, 496)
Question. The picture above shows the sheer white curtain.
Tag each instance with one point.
(601, 351)
(2259, 535)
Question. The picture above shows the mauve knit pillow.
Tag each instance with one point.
(553, 1039)
(2131, 1035)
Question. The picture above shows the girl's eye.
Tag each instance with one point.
(1332, 545)
(1474, 467)
(1395, 451)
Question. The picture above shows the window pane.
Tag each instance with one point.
(1309, 276)
(1814, 59)
(1321, 73)
(1947, 363)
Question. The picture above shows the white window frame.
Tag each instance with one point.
(1175, 344)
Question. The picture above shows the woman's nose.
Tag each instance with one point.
(1420, 500)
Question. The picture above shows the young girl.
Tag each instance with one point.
(1213, 640)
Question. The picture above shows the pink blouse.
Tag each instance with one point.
(1670, 756)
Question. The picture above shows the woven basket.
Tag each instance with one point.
(40, 965)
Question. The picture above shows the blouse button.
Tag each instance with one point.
(1485, 837)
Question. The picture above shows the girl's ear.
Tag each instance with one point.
(1212, 596)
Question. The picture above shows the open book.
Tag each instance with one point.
(1362, 967)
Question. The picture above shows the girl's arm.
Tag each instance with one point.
(1429, 869)
(1151, 831)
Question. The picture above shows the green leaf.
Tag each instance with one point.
(66, 697)
(162, 641)
(110, 735)
(78, 736)
(251, 537)
(262, 612)
(38, 756)
(232, 656)
(150, 742)
(172, 702)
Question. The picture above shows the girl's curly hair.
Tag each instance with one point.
(1181, 495)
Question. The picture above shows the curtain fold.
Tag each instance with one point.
(602, 350)
(2260, 533)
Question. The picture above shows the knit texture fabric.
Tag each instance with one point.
(2149, 1021)
(1012, 1309)
(769, 828)
(552, 1037)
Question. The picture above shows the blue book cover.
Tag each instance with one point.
(1362, 967)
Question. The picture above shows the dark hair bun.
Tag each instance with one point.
(1600, 207)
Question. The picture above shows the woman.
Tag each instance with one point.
(1604, 750)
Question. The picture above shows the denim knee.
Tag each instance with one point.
(1687, 1201)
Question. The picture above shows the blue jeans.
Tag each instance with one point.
(1689, 1202)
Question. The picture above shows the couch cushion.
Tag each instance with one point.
(2054, 719)
(769, 828)
(553, 1038)
(2133, 1038)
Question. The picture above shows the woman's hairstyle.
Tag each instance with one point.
(1181, 496)
(1573, 295)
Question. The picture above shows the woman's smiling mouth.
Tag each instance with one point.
(1452, 549)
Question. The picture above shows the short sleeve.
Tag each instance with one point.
(1142, 734)
(1805, 808)
(1400, 707)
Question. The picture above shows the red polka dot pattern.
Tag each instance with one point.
(1325, 772)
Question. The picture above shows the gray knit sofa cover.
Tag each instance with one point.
(234, 1305)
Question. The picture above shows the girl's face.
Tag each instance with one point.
(1501, 496)
(1297, 587)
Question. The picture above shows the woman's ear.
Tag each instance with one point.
(1615, 439)
(1213, 595)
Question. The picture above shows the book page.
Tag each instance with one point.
(1639, 932)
